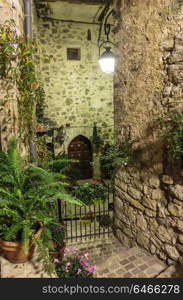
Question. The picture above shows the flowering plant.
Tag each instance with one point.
(74, 265)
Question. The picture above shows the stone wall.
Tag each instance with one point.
(148, 84)
(77, 92)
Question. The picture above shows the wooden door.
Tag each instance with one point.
(80, 149)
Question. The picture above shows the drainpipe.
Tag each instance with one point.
(28, 18)
(29, 34)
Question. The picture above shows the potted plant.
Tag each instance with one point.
(25, 195)
(73, 265)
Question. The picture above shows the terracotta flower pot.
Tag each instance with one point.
(14, 252)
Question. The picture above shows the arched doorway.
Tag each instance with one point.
(80, 148)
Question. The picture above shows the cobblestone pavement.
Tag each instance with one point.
(112, 259)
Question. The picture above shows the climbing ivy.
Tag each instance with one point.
(27, 85)
(17, 69)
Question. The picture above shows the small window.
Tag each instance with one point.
(73, 54)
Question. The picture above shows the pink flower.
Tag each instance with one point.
(79, 271)
(94, 182)
(91, 269)
(56, 261)
(75, 251)
(83, 263)
(67, 266)
(66, 251)
(86, 255)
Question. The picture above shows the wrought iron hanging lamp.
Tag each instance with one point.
(107, 58)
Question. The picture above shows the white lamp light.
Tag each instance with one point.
(107, 61)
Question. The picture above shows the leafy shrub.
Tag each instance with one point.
(173, 134)
(89, 193)
(57, 233)
(105, 221)
(116, 156)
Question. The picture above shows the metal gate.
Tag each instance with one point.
(87, 222)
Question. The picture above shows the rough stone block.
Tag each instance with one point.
(157, 194)
(175, 210)
(180, 238)
(177, 191)
(164, 234)
(154, 182)
(180, 225)
(134, 193)
(172, 252)
(143, 240)
(133, 202)
(149, 203)
(141, 222)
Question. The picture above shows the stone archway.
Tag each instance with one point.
(80, 148)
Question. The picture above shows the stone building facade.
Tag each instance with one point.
(149, 84)
(77, 92)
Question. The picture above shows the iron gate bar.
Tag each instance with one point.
(99, 217)
(76, 223)
(104, 215)
(108, 199)
(94, 219)
(59, 211)
(85, 223)
(65, 213)
(80, 222)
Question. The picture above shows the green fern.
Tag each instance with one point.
(25, 195)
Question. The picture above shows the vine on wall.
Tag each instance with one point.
(17, 71)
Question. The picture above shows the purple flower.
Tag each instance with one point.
(66, 251)
(86, 255)
(91, 269)
(56, 261)
(79, 271)
(75, 251)
(67, 266)
(83, 263)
